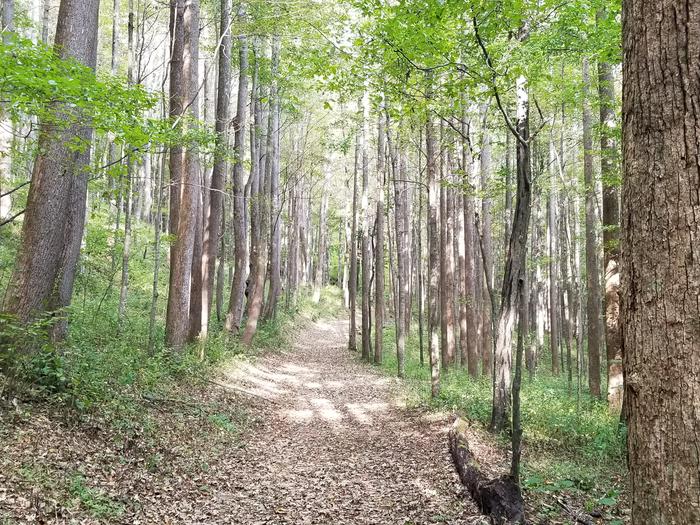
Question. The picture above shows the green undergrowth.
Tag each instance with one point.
(105, 370)
(570, 447)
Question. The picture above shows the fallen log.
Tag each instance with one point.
(497, 498)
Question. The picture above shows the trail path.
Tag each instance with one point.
(333, 446)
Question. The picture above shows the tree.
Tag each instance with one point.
(352, 341)
(178, 312)
(55, 212)
(611, 229)
(660, 270)
(214, 211)
(240, 232)
(366, 259)
(593, 301)
(379, 249)
(433, 260)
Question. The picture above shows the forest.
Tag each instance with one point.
(350, 262)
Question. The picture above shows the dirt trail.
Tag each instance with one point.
(333, 446)
(328, 444)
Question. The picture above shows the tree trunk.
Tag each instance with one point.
(177, 317)
(55, 213)
(275, 211)
(322, 251)
(379, 250)
(402, 263)
(552, 263)
(352, 342)
(514, 264)
(433, 260)
(486, 248)
(659, 261)
(593, 301)
(214, 211)
(469, 260)
(611, 231)
(366, 260)
(240, 232)
(255, 301)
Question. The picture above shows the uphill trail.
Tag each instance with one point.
(334, 445)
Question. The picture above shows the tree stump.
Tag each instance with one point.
(497, 498)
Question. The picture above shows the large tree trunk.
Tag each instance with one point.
(177, 317)
(55, 213)
(214, 212)
(433, 260)
(659, 263)
(611, 231)
(240, 232)
(514, 265)
(593, 300)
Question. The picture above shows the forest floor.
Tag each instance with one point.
(304, 435)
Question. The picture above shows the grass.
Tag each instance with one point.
(577, 449)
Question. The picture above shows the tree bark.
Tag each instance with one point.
(257, 294)
(552, 234)
(366, 260)
(240, 232)
(214, 211)
(593, 300)
(433, 260)
(611, 230)
(659, 258)
(177, 316)
(514, 264)
(55, 213)
(275, 211)
(379, 250)
(486, 248)
(352, 342)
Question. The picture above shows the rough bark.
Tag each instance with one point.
(55, 213)
(659, 261)
(177, 316)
